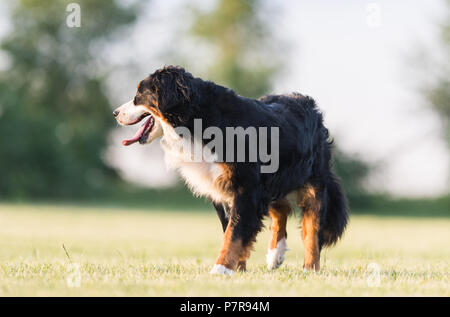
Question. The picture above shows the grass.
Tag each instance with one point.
(120, 252)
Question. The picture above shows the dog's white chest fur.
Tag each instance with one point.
(201, 179)
(200, 176)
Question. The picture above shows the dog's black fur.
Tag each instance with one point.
(304, 147)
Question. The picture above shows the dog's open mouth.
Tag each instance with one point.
(143, 132)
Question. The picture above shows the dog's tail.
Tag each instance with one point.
(336, 213)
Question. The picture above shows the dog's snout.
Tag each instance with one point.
(115, 113)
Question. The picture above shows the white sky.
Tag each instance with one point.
(363, 77)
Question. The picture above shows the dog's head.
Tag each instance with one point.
(166, 97)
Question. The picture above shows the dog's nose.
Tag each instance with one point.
(115, 113)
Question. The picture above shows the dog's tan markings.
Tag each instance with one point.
(278, 212)
(310, 205)
(223, 181)
(231, 250)
(233, 254)
(156, 113)
(242, 265)
(245, 254)
(310, 229)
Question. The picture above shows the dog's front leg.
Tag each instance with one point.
(243, 225)
(222, 213)
(223, 216)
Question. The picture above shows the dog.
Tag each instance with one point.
(171, 98)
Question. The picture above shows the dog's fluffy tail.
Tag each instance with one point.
(336, 213)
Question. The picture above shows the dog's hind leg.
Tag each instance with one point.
(278, 212)
(310, 200)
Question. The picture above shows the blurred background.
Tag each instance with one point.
(379, 70)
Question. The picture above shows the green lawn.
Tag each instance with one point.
(168, 253)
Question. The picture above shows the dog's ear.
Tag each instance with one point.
(174, 89)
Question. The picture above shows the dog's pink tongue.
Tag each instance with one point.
(136, 136)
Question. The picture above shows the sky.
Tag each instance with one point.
(355, 58)
(363, 75)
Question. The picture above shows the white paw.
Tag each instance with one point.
(275, 257)
(220, 269)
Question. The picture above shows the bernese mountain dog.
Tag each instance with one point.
(239, 190)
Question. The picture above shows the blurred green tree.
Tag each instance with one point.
(241, 44)
(353, 171)
(438, 95)
(54, 115)
(245, 60)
